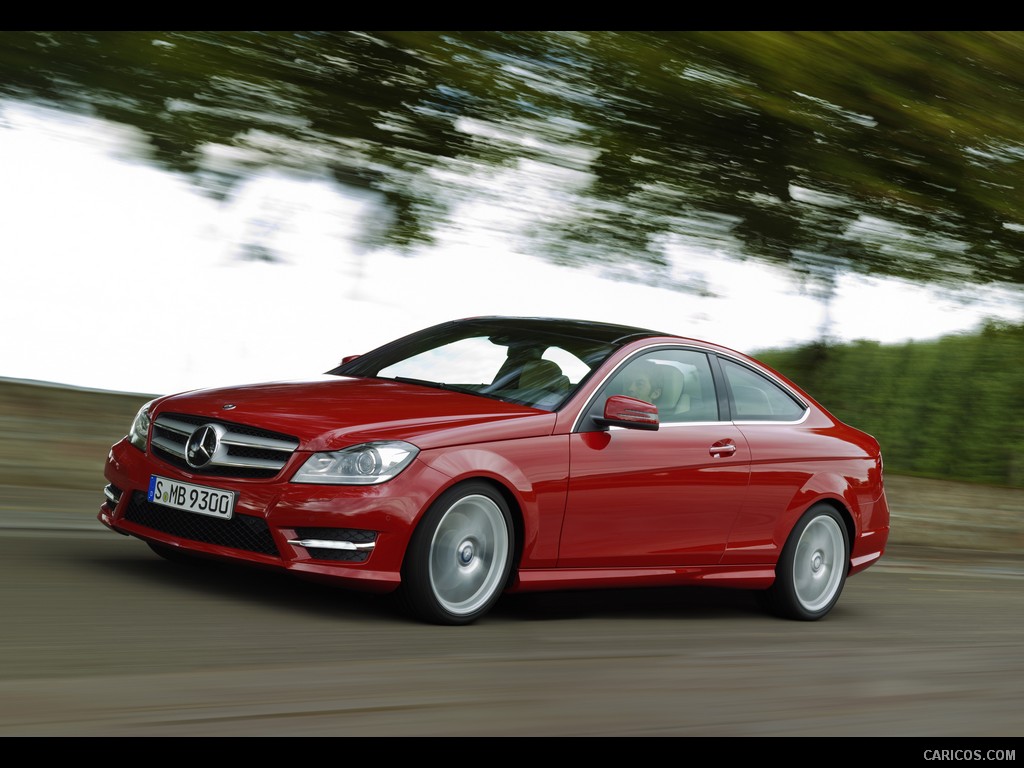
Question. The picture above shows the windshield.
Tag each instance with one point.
(530, 362)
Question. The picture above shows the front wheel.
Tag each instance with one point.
(811, 571)
(459, 556)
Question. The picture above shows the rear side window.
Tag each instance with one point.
(757, 398)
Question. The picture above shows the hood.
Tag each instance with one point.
(331, 413)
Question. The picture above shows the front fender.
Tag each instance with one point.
(535, 473)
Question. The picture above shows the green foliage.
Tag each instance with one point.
(886, 152)
(952, 408)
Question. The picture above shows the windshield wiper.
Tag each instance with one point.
(424, 382)
(435, 385)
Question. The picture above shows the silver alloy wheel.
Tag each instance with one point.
(468, 554)
(819, 563)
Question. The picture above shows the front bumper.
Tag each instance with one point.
(354, 535)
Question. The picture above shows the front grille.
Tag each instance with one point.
(242, 451)
(349, 545)
(240, 532)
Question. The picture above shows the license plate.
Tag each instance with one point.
(192, 498)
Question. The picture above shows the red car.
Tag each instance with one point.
(497, 454)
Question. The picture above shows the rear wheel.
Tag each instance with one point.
(811, 571)
(460, 556)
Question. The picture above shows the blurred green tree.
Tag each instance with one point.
(886, 153)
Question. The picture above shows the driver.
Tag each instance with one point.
(644, 381)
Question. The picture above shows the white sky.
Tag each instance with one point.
(120, 276)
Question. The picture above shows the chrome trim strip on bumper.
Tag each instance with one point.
(330, 544)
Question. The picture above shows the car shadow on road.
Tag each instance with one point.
(654, 602)
(253, 585)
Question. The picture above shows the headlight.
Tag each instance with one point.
(140, 427)
(366, 464)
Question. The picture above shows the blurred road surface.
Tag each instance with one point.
(100, 637)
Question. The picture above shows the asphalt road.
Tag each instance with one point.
(100, 637)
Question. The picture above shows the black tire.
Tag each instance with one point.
(460, 556)
(811, 571)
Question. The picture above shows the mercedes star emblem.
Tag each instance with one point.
(202, 445)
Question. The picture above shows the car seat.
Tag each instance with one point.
(543, 374)
(673, 399)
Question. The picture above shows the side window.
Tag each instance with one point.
(678, 381)
(756, 398)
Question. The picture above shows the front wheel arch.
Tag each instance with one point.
(514, 507)
(462, 554)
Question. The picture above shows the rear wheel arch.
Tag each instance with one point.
(798, 509)
(813, 565)
(845, 515)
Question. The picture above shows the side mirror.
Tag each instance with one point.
(628, 412)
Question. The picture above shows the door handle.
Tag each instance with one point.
(722, 448)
